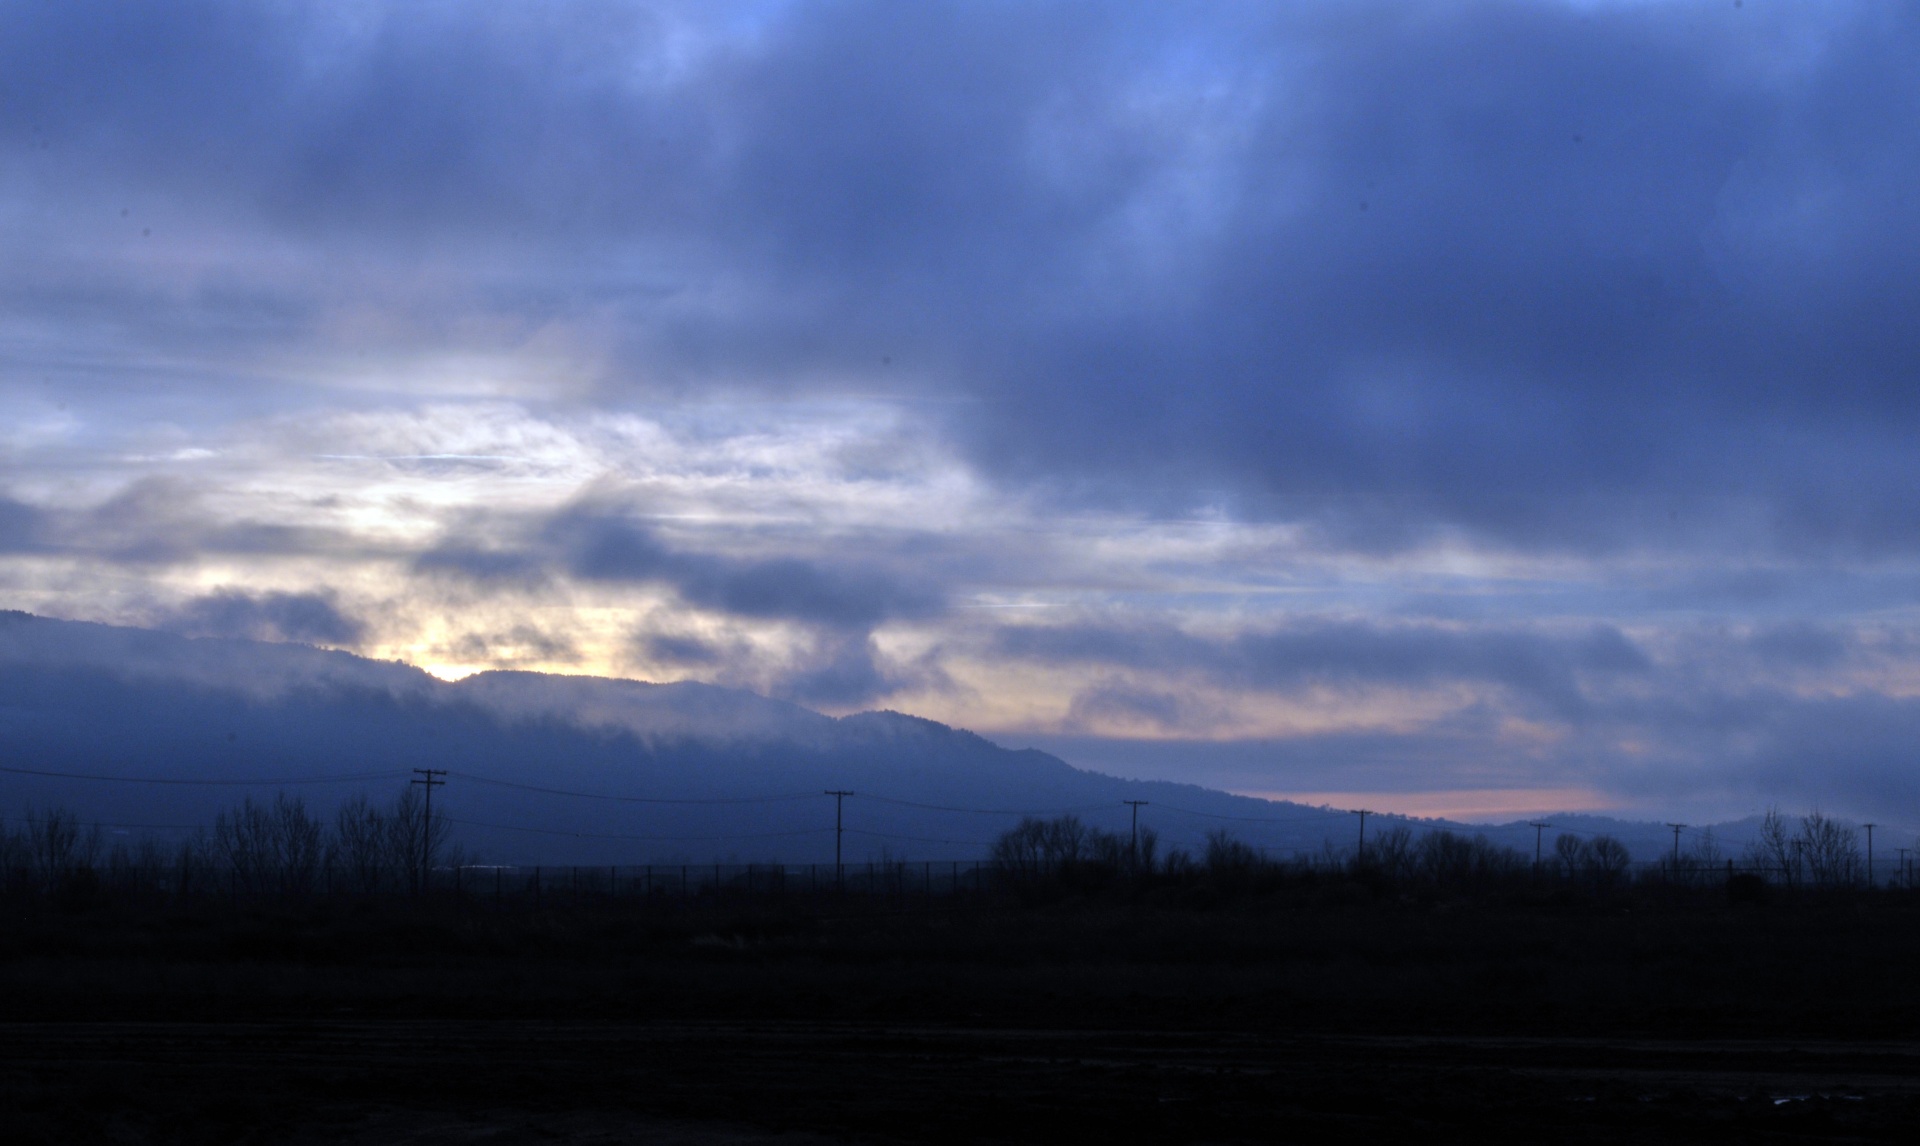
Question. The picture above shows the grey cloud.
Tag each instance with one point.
(1802, 644)
(303, 618)
(828, 668)
(519, 645)
(488, 566)
(1544, 667)
(840, 671)
(152, 521)
(1131, 704)
(683, 651)
(21, 526)
(845, 596)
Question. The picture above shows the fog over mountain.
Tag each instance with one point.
(193, 725)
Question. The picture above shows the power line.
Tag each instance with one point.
(629, 799)
(111, 824)
(255, 783)
(918, 839)
(989, 811)
(618, 836)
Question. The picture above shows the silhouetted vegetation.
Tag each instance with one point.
(278, 913)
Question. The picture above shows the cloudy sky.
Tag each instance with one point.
(1446, 407)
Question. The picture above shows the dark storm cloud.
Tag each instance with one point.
(1564, 276)
(304, 618)
(1539, 275)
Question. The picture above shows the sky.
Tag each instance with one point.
(1464, 408)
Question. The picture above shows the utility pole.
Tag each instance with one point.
(1869, 828)
(1537, 827)
(1135, 805)
(1362, 813)
(1676, 846)
(1905, 879)
(426, 829)
(839, 869)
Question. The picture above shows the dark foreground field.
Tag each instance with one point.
(991, 1023)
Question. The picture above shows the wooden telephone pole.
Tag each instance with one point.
(839, 869)
(426, 825)
(1135, 805)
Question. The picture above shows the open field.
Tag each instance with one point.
(527, 1081)
(988, 1022)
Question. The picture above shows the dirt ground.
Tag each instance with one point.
(422, 1082)
(1250, 1022)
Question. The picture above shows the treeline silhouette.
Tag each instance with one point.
(1043, 857)
(279, 848)
(274, 847)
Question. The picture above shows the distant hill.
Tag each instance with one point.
(703, 772)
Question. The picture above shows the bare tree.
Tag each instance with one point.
(1021, 851)
(1568, 859)
(1773, 849)
(1706, 851)
(273, 847)
(412, 839)
(1149, 851)
(1831, 852)
(1230, 858)
(1452, 860)
(137, 866)
(1605, 860)
(362, 841)
(1392, 852)
(16, 858)
(59, 847)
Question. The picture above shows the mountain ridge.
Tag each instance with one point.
(86, 698)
